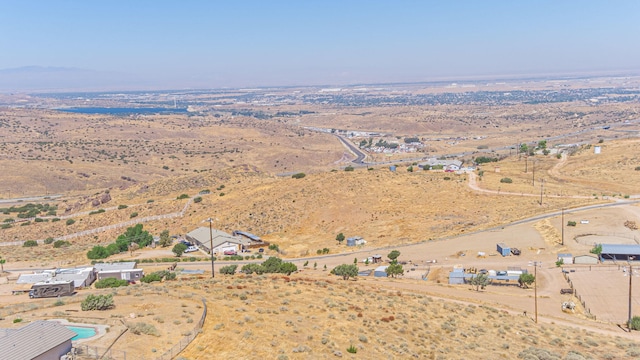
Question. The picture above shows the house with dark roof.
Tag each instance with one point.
(40, 340)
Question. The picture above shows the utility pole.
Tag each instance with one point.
(525, 163)
(630, 277)
(535, 282)
(541, 190)
(210, 220)
(533, 172)
(562, 224)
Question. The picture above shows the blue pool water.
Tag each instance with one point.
(82, 332)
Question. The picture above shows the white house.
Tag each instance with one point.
(222, 242)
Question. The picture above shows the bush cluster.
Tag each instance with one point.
(158, 276)
(143, 328)
(97, 302)
(271, 265)
(61, 243)
(110, 283)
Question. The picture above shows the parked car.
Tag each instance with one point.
(515, 251)
(230, 252)
(501, 273)
(261, 250)
(191, 248)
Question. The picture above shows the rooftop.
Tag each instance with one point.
(33, 339)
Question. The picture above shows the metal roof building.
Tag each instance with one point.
(40, 340)
(202, 237)
(115, 266)
(622, 252)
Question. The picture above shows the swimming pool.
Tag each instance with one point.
(82, 332)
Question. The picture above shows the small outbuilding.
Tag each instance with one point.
(456, 277)
(585, 260)
(503, 249)
(380, 271)
(565, 258)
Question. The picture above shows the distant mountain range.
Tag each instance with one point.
(39, 78)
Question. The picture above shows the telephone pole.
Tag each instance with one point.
(535, 282)
(630, 316)
(562, 224)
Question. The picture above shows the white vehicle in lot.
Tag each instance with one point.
(191, 248)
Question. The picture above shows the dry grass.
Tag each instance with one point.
(302, 318)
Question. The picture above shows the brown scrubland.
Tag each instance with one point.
(136, 167)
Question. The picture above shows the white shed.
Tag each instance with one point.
(566, 258)
(585, 259)
(380, 271)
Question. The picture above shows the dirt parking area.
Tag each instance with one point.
(605, 290)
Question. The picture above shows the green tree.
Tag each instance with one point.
(49, 240)
(542, 144)
(70, 221)
(287, 268)
(525, 280)
(395, 269)
(98, 252)
(410, 169)
(298, 175)
(524, 148)
(253, 268)
(596, 249)
(134, 234)
(272, 264)
(183, 196)
(348, 168)
(179, 249)
(480, 281)
(393, 255)
(635, 323)
(165, 239)
(2, 262)
(346, 271)
(229, 269)
(340, 238)
(560, 262)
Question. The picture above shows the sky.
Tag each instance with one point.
(214, 44)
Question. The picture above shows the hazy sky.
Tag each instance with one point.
(270, 42)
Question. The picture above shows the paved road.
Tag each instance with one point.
(349, 145)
